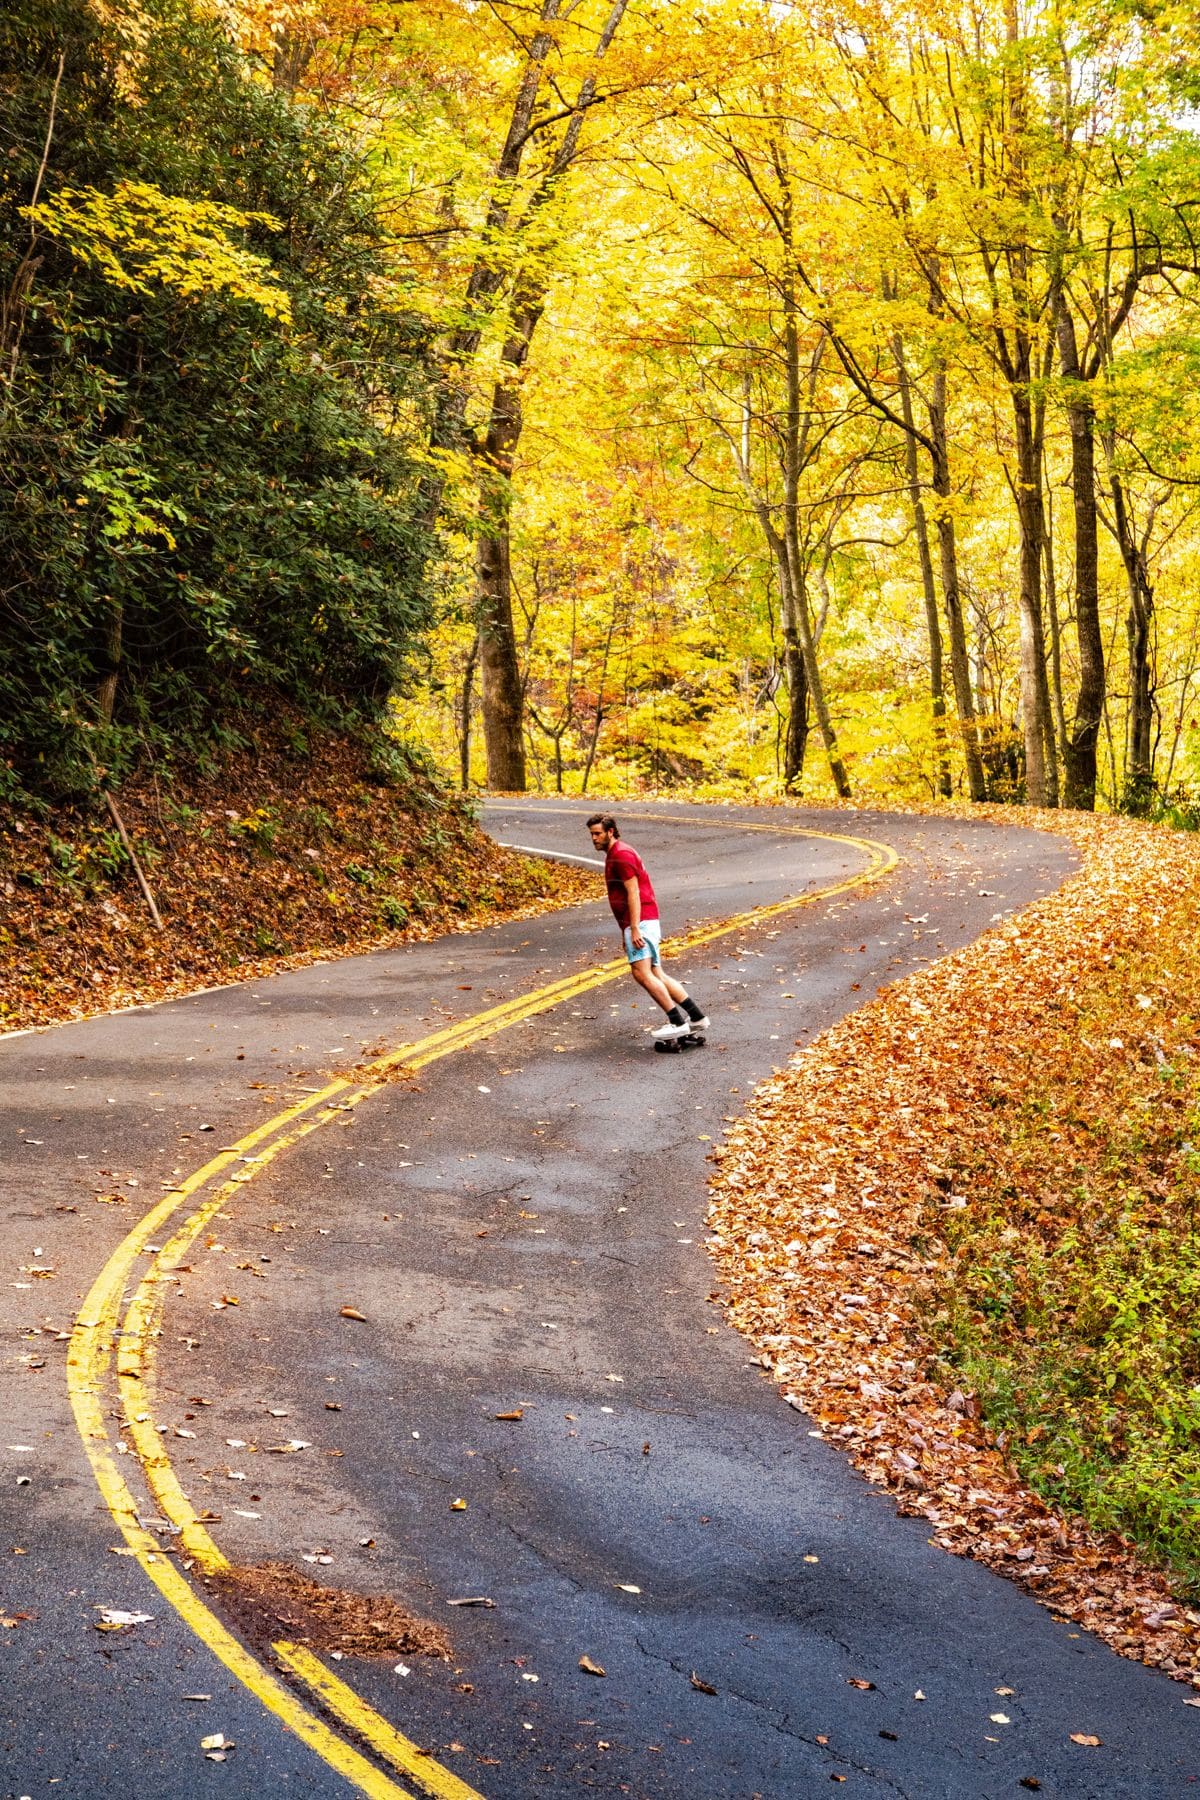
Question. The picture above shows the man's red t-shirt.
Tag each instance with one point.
(620, 864)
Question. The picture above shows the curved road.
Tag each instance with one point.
(518, 1220)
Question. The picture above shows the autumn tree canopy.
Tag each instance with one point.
(608, 391)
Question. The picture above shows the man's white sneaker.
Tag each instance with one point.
(700, 1024)
(668, 1032)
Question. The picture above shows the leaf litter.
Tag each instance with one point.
(257, 863)
(835, 1201)
(271, 1600)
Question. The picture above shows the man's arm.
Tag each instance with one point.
(633, 893)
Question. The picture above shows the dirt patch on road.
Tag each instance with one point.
(269, 1601)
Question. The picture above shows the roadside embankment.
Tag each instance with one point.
(962, 1230)
(261, 861)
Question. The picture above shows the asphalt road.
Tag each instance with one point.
(521, 1226)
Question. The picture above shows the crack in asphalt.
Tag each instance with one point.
(781, 1724)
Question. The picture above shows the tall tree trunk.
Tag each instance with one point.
(795, 737)
(1139, 754)
(791, 471)
(1140, 772)
(937, 692)
(1034, 685)
(1080, 741)
(106, 691)
(794, 662)
(15, 302)
(499, 669)
(468, 692)
(488, 275)
(1050, 580)
(501, 690)
(960, 667)
(594, 741)
(1016, 344)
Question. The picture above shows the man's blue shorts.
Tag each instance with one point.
(651, 930)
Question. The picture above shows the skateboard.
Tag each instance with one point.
(695, 1040)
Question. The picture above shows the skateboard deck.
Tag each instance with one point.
(695, 1040)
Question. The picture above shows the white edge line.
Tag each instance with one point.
(587, 862)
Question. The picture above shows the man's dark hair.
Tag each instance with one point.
(605, 819)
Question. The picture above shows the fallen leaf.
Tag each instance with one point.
(701, 1687)
(472, 1600)
(114, 1618)
(589, 1667)
(854, 1682)
(352, 1312)
(1085, 1737)
(458, 1506)
(516, 1413)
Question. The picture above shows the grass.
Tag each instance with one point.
(1070, 1301)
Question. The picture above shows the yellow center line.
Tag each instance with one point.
(391, 1744)
(94, 1340)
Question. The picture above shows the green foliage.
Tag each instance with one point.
(208, 479)
(1179, 807)
(259, 828)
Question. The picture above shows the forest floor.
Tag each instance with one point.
(262, 862)
(961, 1229)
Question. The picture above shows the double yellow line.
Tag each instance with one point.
(108, 1347)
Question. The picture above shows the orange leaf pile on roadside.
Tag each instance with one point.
(831, 1201)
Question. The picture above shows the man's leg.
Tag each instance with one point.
(646, 968)
(675, 988)
(648, 977)
(682, 1004)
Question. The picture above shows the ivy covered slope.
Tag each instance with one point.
(259, 857)
(212, 389)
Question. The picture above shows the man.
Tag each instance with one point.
(635, 909)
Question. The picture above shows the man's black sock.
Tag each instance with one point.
(691, 1009)
(677, 1016)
